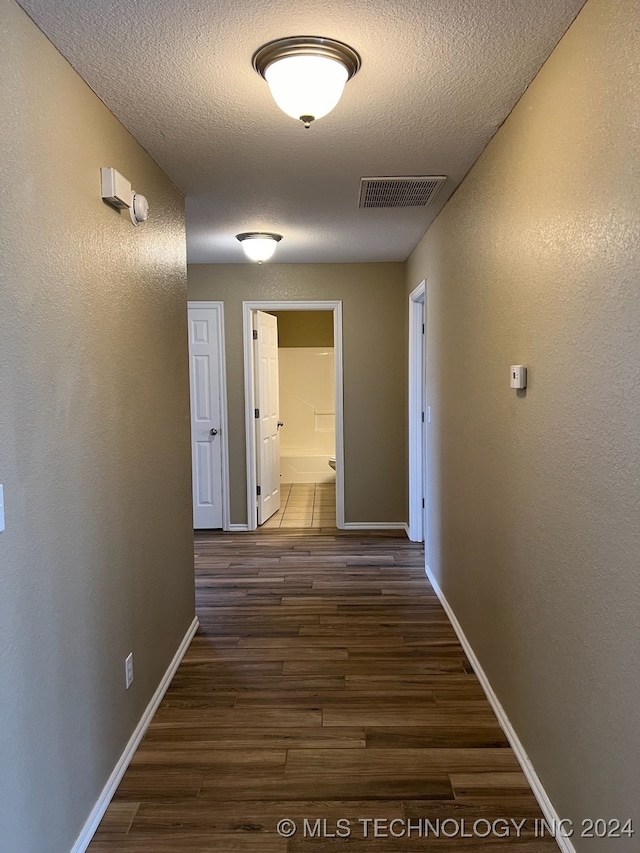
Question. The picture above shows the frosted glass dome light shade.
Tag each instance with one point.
(306, 86)
(259, 245)
(306, 74)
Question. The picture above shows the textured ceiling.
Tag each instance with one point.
(438, 78)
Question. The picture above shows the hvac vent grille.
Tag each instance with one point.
(416, 191)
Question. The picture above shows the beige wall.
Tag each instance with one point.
(304, 328)
(96, 558)
(374, 307)
(534, 533)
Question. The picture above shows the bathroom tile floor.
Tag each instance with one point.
(305, 505)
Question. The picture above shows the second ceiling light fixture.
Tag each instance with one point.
(259, 245)
(306, 74)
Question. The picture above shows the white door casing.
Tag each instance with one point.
(267, 415)
(418, 429)
(206, 381)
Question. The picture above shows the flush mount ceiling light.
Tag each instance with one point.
(306, 74)
(259, 245)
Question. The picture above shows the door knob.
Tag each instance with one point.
(213, 432)
(280, 424)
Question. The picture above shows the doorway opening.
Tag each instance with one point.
(418, 415)
(294, 434)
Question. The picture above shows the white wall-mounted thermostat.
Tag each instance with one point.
(116, 189)
(518, 376)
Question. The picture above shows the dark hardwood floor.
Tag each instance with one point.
(325, 684)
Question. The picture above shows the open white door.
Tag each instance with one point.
(204, 375)
(267, 413)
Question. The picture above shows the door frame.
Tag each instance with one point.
(218, 307)
(417, 408)
(248, 308)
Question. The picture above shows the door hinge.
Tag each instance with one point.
(423, 417)
(422, 503)
(257, 413)
(258, 491)
(255, 334)
(423, 328)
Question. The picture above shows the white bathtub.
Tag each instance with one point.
(306, 469)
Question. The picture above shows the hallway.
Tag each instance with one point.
(325, 682)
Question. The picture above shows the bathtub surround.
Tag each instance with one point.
(307, 410)
(307, 469)
(307, 396)
(533, 534)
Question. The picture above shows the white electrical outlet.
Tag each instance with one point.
(128, 670)
(1, 508)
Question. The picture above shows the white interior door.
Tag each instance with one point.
(206, 452)
(267, 414)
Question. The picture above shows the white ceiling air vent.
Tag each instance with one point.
(411, 191)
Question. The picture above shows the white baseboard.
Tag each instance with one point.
(550, 814)
(109, 789)
(238, 528)
(375, 525)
